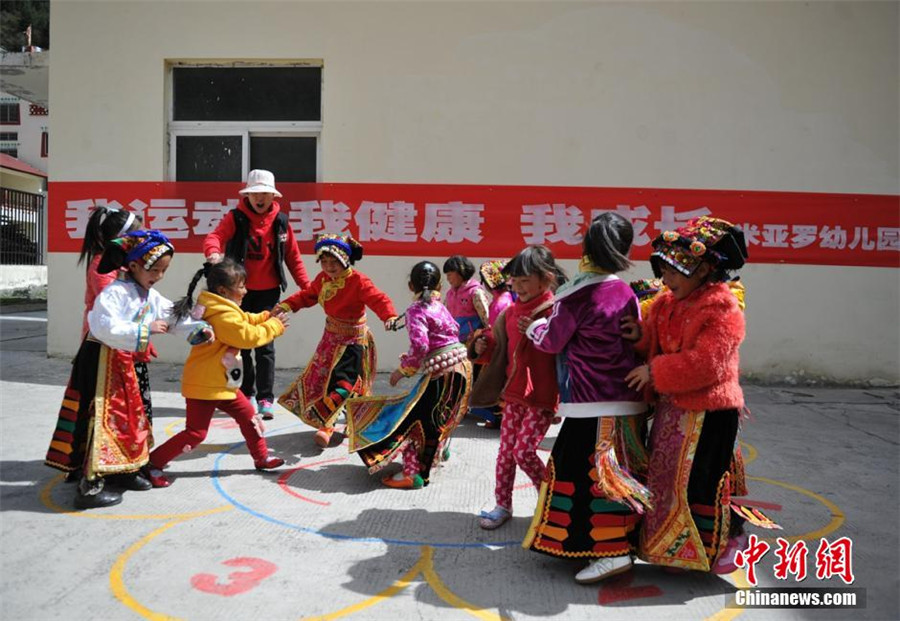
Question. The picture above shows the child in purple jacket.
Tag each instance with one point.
(418, 423)
(601, 439)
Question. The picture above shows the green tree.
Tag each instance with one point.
(16, 16)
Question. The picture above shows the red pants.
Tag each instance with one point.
(199, 415)
(521, 430)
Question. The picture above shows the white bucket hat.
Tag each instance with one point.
(260, 181)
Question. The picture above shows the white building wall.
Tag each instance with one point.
(28, 142)
(756, 96)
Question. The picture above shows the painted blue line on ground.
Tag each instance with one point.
(336, 536)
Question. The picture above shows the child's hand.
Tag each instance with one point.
(631, 328)
(214, 258)
(638, 377)
(556, 420)
(523, 323)
(209, 335)
(396, 376)
(390, 325)
(278, 311)
(480, 345)
(282, 318)
(160, 326)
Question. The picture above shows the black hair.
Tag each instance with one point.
(226, 273)
(424, 278)
(607, 242)
(536, 260)
(103, 225)
(116, 257)
(461, 265)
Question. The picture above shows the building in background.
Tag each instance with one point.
(25, 131)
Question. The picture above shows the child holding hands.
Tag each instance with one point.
(212, 375)
(419, 421)
(530, 393)
(590, 504)
(690, 340)
(102, 428)
(344, 362)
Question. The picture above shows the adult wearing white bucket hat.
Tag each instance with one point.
(260, 182)
(257, 235)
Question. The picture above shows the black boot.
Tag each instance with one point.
(93, 494)
(134, 481)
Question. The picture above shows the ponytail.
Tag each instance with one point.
(182, 308)
(425, 279)
(105, 224)
(225, 273)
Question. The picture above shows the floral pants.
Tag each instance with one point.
(521, 430)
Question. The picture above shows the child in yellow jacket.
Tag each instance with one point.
(212, 373)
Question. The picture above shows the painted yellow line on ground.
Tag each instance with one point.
(425, 567)
(47, 500)
(117, 583)
(727, 614)
(400, 584)
(837, 516)
(451, 598)
(751, 455)
(168, 429)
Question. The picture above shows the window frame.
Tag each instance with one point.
(18, 119)
(245, 129)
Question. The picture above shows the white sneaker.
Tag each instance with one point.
(601, 568)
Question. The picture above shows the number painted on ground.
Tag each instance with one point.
(238, 581)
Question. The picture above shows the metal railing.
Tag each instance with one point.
(21, 228)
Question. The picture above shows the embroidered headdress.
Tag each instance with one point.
(342, 247)
(715, 241)
(144, 247)
(492, 272)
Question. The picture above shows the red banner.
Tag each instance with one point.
(497, 221)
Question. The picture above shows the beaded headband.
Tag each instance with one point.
(342, 247)
(702, 239)
(492, 272)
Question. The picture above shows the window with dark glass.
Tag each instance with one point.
(227, 120)
(9, 114)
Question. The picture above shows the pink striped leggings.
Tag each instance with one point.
(521, 430)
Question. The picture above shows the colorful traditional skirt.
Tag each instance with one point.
(102, 427)
(342, 366)
(692, 465)
(575, 516)
(378, 427)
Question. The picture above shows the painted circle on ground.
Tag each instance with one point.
(415, 520)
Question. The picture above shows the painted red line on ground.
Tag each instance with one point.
(283, 481)
(618, 589)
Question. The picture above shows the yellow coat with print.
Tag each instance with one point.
(212, 371)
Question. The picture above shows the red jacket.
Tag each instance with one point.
(692, 347)
(262, 273)
(351, 293)
(531, 374)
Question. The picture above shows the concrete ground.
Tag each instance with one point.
(320, 538)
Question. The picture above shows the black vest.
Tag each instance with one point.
(236, 248)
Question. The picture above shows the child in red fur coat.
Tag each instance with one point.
(690, 339)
